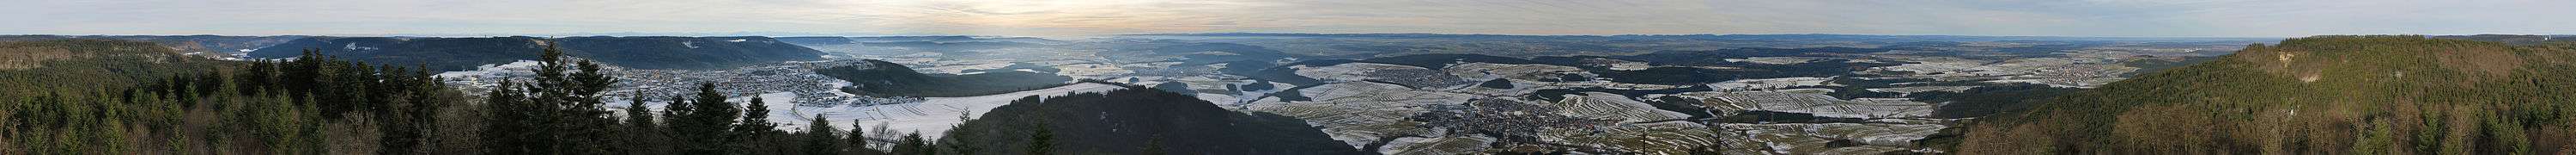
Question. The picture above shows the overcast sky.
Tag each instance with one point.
(2203, 18)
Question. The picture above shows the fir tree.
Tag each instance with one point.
(507, 126)
(755, 128)
(819, 138)
(703, 125)
(1153, 146)
(755, 118)
(958, 136)
(1042, 141)
(637, 116)
(912, 144)
(560, 108)
(641, 134)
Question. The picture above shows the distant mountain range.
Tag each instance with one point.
(630, 52)
(184, 44)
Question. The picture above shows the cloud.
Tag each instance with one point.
(2276, 18)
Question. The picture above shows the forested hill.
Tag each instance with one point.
(631, 52)
(2315, 95)
(1134, 120)
(129, 97)
(213, 44)
(881, 78)
(33, 67)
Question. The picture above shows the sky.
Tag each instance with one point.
(2145, 18)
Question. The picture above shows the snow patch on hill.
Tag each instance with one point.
(494, 70)
(931, 117)
(354, 47)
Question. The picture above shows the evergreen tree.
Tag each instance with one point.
(1153, 146)
(755, 118)
(507, 129)
(674, 112)
(397, 135)
(637, 116)
(957, 141)
(641, 134)
(755, 130)
(409, 111)
(561, 108)
(1042, 141)
(146, 102)
(819, 138)
(912, 144)
(704, 124)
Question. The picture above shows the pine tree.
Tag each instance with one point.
(1153, 146)
(675, 111)
(704, 124)
(397, 133)
(409, 110)
(638, 117)
(1042, 141)
(430, 99)
(912, 144)
(819, 138)
(959, 137)
(755, 128)
(507, 126)
(755, 118)
(640, 134)
(560, 108)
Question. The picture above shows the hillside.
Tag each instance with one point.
(951, 47)
(2512, 39)
(1137, 120)
(631, 52)
(817, 41)
(1190, 53)
(881, 78)
(86, 64)
(189, 43)
(2315, 95)
(93, 96)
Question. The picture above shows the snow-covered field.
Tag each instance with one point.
(1360, 112)
(517, 68)
(961, 68)
(1470, 144)
(1818, 104)
(1773, 83)
(1812, 138)
(1481, 71)
(1910, 90)
(1774, 60)
(1616, 64)
(2053, 71)
(1348, 71)
(1091, 70)
(486, 76)
(931, 117)
(1607, 106)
